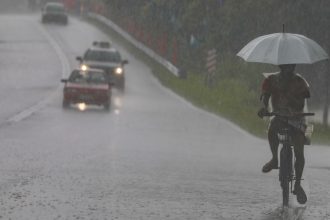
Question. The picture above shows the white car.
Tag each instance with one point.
(102, 56)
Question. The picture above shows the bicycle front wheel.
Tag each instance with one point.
(285, 173)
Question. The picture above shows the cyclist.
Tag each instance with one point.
(287, 91)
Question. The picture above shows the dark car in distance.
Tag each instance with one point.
(90, 87)
(103, 56)
(54, 12)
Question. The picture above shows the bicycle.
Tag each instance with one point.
(286, 168)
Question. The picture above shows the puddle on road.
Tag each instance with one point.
(294, 212)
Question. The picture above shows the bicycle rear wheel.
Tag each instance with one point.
(285, 173)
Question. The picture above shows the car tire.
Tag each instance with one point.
(121, 89)
(107, 106)
(121, 85)
(65, 104)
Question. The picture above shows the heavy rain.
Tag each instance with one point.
(118, 109)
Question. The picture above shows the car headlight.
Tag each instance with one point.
(119, 70)
(83, 67)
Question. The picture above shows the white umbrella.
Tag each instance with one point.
(283, 48)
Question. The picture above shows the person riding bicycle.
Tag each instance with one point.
(287, 91)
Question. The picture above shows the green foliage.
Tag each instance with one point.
(228, 25)
(229, 97)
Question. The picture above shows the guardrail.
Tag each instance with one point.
(168, 65)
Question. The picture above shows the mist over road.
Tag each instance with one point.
(13, 6)
(154, 156)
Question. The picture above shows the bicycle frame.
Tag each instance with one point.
(286, 169)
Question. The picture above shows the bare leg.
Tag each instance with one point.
(273, 139)
(300, 158)
(273, 143)
(299, 141)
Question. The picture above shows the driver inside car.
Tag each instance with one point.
(287, 91)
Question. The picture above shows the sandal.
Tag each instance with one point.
(273, 164)
(300, 193)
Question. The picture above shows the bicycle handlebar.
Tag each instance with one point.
(291, 115)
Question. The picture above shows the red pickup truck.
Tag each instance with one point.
(90, 87)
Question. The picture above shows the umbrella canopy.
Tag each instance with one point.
(283, 48)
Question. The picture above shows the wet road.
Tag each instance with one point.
(154, 156)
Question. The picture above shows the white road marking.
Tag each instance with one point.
(65, 68)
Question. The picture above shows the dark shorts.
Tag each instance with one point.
(297, 129)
